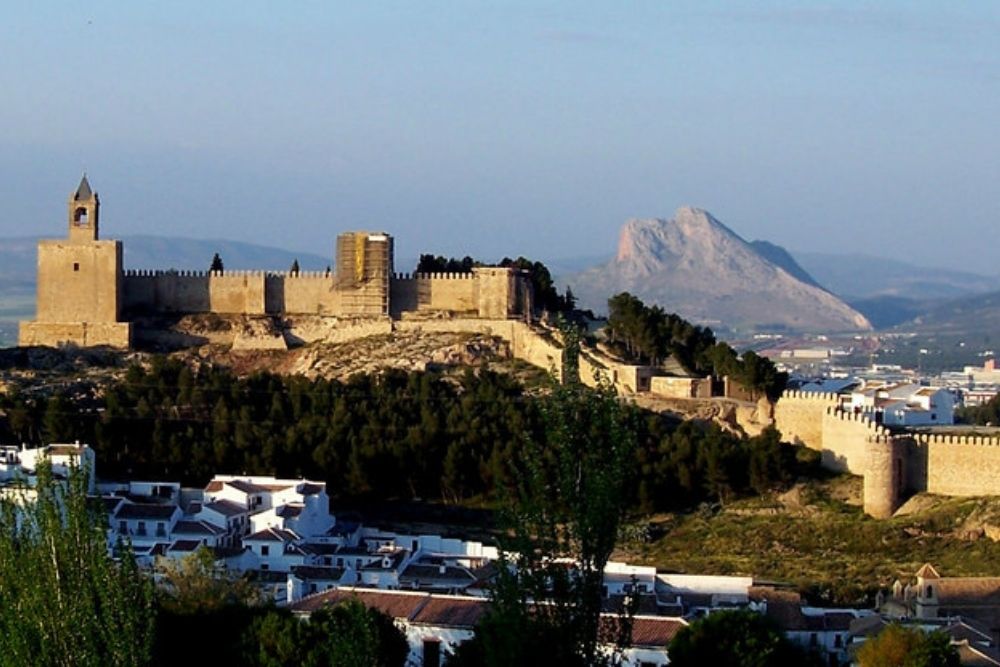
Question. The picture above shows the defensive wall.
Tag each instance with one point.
(484, 293)
(894, 463)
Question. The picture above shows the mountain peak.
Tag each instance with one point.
(694, 265)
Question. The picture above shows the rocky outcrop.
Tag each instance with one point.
(695, 266)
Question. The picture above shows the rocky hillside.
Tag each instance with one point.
(695, 266)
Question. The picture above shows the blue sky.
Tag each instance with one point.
(507, 128)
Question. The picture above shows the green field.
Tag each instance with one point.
(817, 538)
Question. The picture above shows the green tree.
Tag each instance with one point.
(899, 646)
(562, 524)
(347, 634)
(216, 264)
(64, 600)
(295, 267)
(196, 584)
(738, 638)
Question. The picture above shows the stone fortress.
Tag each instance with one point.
(894, 462)
(86, 298)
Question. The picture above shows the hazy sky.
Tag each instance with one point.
(506, 128)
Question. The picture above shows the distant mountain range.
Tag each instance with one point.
(692, 263)
(697, 267)
(859, 276)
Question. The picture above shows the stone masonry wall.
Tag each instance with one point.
(799, 417)
(78, 282)
(956, 465)
(454, 292)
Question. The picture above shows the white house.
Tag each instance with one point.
(904, 404)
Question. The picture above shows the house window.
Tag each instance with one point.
(264, 566)
(930, 591)
(813, 639)
(432, 653)
(837, 641)
(161, 530)
(141, 529)
(76, 266)
(265, 550)
(123, 527)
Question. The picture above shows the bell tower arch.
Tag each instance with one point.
(83, 210)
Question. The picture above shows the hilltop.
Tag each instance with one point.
(697, 267)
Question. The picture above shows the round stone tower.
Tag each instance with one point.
(883, 476)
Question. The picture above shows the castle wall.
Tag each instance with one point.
(454, 292)
(958, 465)
(845, 441)
(78, 334)
(799, 417)
(305, 293)
(681, 387)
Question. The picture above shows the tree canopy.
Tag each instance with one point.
(561, 525)
(64, 600)
(737, 638)
(395, 435)
(900, 646)
(650, 335)
(216, 264)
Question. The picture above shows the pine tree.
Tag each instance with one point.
(216, 264)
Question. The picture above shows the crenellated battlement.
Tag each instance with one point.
(190, 273)
(859, 418)
(814, 396)
(435, 276)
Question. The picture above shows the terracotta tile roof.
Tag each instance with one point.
(245, 486)
(185, 545)
(289, 511)
(214, 486)
(63, 450)
(927, 571)
(394, 604)
(275, 487)
(451, 612)
(968, 591)
(225, 507)
(272, 535)
(197, 528)
(654, 631)
(977, 656)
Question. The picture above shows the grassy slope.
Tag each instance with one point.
(823, 545)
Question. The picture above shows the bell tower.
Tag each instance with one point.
(80, 284)
(84, 208)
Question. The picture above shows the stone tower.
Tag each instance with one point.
(79, 284)
(363, 272)
(84, 208)
(884, 476)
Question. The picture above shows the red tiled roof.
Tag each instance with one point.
(225, 507)
(452, 612)
(272, 535)
(245, 486)
(214, 486)
(396, 605)
(651, 630)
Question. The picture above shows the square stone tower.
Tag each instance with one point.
(79, 284)
(363, 272)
